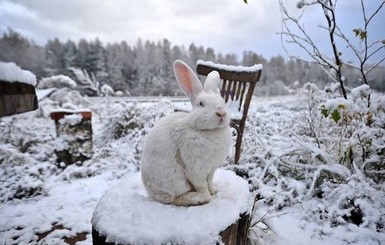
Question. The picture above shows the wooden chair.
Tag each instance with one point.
(237, 89)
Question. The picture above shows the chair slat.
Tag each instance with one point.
(223, 90)
(238, 90)
(232, 92)
(228, 90)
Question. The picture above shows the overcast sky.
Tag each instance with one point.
(228, 26)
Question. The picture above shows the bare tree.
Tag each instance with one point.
(294, 32)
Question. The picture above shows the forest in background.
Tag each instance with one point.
(146, 68)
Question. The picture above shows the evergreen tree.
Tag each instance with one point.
(115, 66)
(210, 55)
(83, 48)
(96, 61)
(169, 84)
(54, 62)
(71, 57)
(26, 54)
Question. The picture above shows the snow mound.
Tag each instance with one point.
(58, 81)
(125, 213)
(10, 72)
(254, 68)
(42, 93)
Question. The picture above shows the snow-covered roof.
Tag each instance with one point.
(125, 214)
(10, 72)
(254, 68)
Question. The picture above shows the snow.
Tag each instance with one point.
(254, 68)
(360, 91)
(10, 72)
(42, 93)
(107, 90)
(298, 204)
(72, 111)
(72, 119)
(125, 214)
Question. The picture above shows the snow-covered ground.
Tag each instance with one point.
(41, 203)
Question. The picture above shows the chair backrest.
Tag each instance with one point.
(238, 83)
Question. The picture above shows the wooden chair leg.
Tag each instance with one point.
(238, 144)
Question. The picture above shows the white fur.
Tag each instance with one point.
(183, 150)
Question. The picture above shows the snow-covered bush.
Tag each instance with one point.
(354, 131)
(59, 81)
(107, 90)
(119, 93)
(321, 162)
(24, 153)
(126, 118)
(129, 118)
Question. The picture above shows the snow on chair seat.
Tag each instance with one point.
(126, 215)
(238, 83)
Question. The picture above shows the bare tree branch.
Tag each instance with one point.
(295, 33)
(375, 65)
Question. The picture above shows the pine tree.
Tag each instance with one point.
(115, 66)
(54, 53)
(71, 57)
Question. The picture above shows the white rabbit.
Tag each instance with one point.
(183, 150)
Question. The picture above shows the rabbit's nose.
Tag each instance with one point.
(221, 113)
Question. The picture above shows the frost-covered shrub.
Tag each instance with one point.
(107, 90)
(128, 119)
(355, 201)
(355, 136)
(27, 138)
(21, 176)
(315, 157)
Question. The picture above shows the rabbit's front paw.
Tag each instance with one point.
(212, 190)
(199, 198)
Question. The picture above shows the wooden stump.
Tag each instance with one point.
(17, 97)
(74, 136)
(126, 216)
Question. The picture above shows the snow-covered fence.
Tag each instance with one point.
(125, 215)
(74, 136)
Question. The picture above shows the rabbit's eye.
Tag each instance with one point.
(201, 104)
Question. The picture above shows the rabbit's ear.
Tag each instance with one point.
(187, 79)
(212, 81)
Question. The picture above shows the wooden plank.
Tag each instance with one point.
(16, 98)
